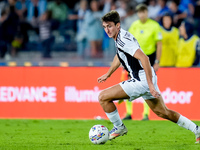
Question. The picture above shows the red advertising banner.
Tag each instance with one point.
(72, 92)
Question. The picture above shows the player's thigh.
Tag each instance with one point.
(157, 105)
(113, 93)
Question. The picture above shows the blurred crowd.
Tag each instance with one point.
(24, 22)
(46, 22)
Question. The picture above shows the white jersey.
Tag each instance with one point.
(127, 45)
(137, 86)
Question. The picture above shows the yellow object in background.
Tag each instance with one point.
(169, 47)
(186, 52)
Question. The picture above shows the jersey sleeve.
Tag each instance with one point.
(131, 45)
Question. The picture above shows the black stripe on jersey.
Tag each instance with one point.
(120, 44)
(119, 41)
(132, 62)
(134, 39)
(126, 34)
(127, 38)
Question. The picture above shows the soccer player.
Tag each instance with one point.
(143, 80)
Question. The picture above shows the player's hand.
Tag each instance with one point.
(103, 78)
(155, 93)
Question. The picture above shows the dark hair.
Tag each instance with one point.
(189, 27)
(141, 7)
(169, 15)
(112, 16)
(175, 1)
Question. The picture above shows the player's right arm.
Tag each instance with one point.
(147, 68)
(115, 64)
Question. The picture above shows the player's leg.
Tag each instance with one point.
(158, 106)
(106, 98)
(146, 112)
(125, 76)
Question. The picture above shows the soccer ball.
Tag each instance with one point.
(98, 134)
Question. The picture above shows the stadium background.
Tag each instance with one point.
(65, 86)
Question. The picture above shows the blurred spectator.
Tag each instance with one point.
(59, 9)
(153, 9)
(113, 6)
(45, 29)
(108, 43)
(130, 17)
(121, 9)
(3, 4)
(60, 13)
(197, 17)
(94, 27)
(141, 1)
(188, 46)
(187, 6)
(81, 36)
(21, 8)
(35, 9)
(164, 9)
(178, 15)
(10, 29)
(170, 40)
(24, 25)
(3, 40)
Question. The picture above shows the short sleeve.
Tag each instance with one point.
(131, 45)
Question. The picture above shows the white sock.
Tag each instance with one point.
(187, 124)
(115, 118)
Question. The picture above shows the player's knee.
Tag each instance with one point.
(102, 97)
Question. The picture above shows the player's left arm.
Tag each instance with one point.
(115, 64)
(144, 59)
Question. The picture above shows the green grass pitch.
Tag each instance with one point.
(73, 135)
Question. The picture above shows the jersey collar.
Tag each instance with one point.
(118, 35)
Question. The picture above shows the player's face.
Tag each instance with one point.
(167, 21)
(143, 15)
(111, 29)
